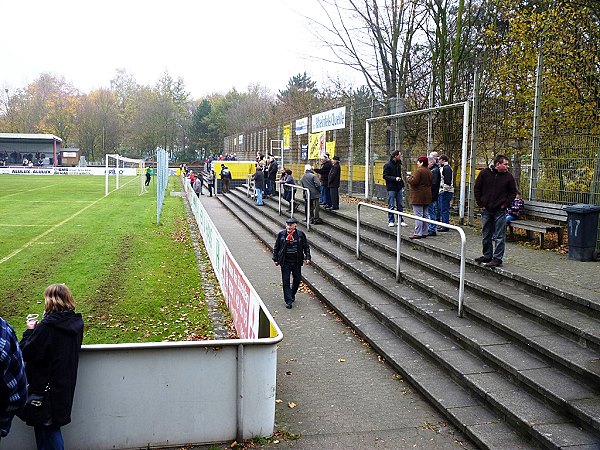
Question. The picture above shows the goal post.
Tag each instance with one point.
(122, 166)
(463, 145)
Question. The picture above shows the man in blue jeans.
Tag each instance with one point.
(392, 174)
(446, 191)
(495, 190)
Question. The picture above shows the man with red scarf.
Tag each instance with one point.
(291, 250)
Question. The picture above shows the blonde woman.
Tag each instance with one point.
(51, 354)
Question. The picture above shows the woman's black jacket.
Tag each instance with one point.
(51, 355)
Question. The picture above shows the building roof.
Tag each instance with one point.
(29, 137)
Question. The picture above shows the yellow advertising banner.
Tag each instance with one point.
(316, 145)
(330, 148)
(287, 133)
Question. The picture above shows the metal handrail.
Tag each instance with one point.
(248, 183)
(295, 186)
(463, 244)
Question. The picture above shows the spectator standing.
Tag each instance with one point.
(259, 183)
(290, 251)
(51, 353)
(420, 195)
(289, 192)
(495, 190)
(225, 177)
(272, 177)
(197, 186)
(210, 181)
(13, 389)
(392, 174)
(446, 191)
(311, 182)
(334, 184)
(323, 172)
(434, 211)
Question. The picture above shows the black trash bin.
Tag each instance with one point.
(582, 222)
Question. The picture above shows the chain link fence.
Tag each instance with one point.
(553, 144)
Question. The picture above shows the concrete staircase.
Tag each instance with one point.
(521, 369)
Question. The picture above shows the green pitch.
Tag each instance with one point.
(133, 280)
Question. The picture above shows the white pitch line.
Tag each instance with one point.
(29, 190)
(49, 230)
(38, 237)
(20, 226)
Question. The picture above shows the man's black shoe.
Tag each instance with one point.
(443, 230)
(288, 305)
(482, 260)
(494, 263)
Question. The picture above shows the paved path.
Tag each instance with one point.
(345, 396)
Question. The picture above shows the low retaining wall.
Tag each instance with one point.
(174, 393)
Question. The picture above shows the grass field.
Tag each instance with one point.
(133, 280)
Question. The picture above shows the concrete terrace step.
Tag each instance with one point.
(486, 428)
(519, 323)
(515, 323)
(506, 356)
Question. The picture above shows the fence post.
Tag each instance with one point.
(535, 143)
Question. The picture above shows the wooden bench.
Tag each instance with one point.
(549, 211)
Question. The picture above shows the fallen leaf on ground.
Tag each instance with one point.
(291, 404)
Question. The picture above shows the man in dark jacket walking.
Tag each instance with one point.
(291, 250)
(392, 174)
(334, 184)
(495, 190)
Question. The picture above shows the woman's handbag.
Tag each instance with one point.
(38, 409)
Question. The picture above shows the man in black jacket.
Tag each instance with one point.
(334, 184)
(291, 250)
(392, 174)
(495, 190)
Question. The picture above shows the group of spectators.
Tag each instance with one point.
(324, 189)
(431, 192)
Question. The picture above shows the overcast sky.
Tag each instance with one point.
(213, 45)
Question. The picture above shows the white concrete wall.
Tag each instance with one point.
(163, 394)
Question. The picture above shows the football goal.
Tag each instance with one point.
(124, 173)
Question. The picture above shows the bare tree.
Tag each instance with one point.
(372, 37)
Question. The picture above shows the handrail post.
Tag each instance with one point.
(463, 245)
(398, 240)
(358, 231)
(307, 207)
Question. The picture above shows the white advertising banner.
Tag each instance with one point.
(333, 119)
(302, 126)
(26, 171)
(126, 171)
(241, 298)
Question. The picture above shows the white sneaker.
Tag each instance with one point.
(391, 224)
(403, 224)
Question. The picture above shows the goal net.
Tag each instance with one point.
(124, 175)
